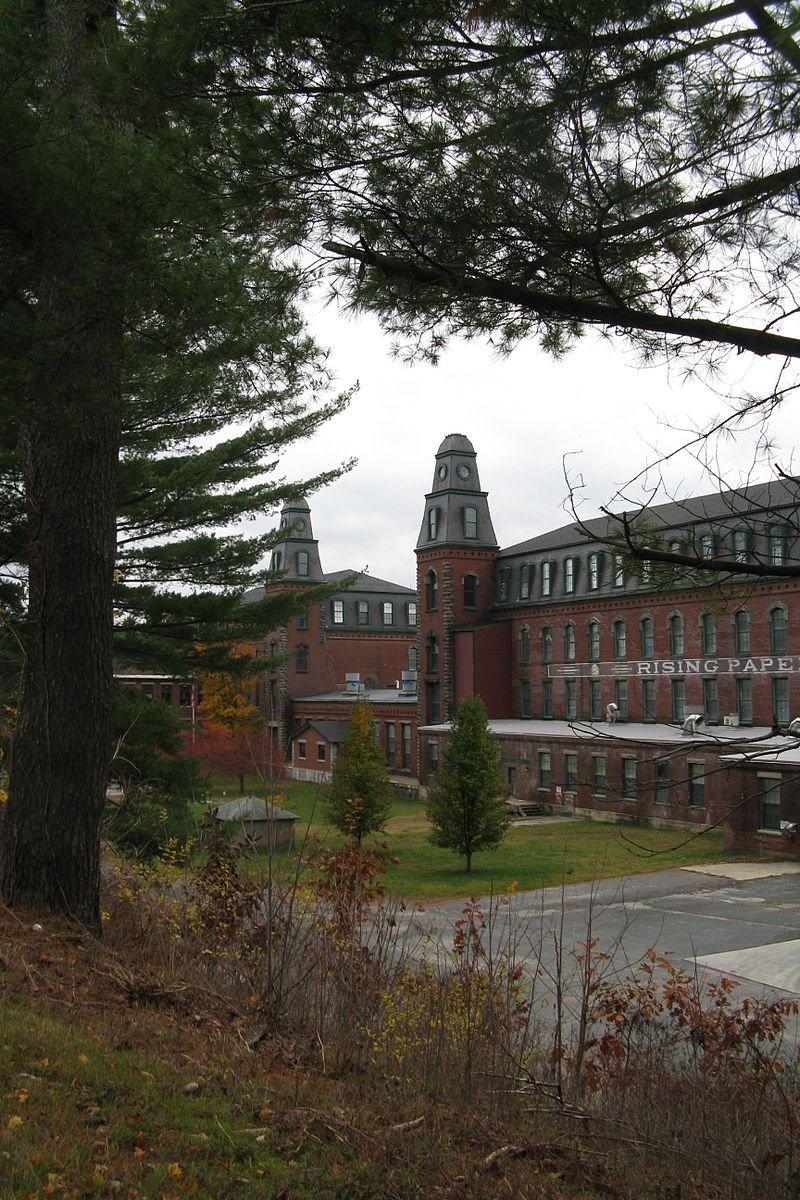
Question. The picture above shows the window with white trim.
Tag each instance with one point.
(769, 803)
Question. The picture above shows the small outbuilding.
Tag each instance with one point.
(254, 823)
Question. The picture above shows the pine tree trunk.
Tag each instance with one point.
(69, 442)
(50, 848)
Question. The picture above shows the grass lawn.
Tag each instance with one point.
(532, 856)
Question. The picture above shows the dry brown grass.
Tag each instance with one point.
(380, 1072)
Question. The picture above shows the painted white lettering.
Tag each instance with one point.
(765, 664)
(711, 666)
(733, 665)
(692, 666)
(785, 664)
(750, 665)
(645, 668)
(668, 668)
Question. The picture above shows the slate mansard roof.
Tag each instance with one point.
(744, 524)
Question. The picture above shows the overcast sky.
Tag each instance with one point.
(599, 407)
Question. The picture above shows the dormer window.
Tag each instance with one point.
(411, 613)
(503, 584)
(525, 581)
(470, 521)
(594, 572)
(433, 524)
(570, 575)
(277, 561)
(547, 577)
(706, 545)
(302, 562)
(387, 611)
(741, 544)
(337, 611)
(777, 546)
(619, 570)
(362, 612)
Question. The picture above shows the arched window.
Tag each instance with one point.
(593, 632)
(778, 640)
(362, 612)
(413, 658)
(433, 524)
(524, 645)
(569, 642)
(741, 631)
(431, 590)
(301, 660)
(470, 522)
(547, 644)
(470, 586)
(594, 572)
(648, 641)
(525, 581)
(708, 633)
(570, 575)
(676, 635)
(302, 562)
(277, 560)
(411, 613)
(619, 638)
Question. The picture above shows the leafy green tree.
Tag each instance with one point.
(465, 805)
(359, 797)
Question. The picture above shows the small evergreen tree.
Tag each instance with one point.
(465, 801)
(360, 796)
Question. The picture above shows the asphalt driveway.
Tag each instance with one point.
(742, 920)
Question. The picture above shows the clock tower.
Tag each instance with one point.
(455, 551)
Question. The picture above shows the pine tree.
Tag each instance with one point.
(465, 805)
(148, 308)
(359, 798)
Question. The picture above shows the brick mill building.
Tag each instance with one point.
(554, 630)
(591, 665)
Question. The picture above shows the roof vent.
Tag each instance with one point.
(352, 683)
(408, 683)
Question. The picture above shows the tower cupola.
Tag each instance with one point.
(456, 510)
(296, 555)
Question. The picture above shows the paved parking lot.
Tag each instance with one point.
(742, 920)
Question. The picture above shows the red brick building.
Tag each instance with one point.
(360, 641)
(554, 630)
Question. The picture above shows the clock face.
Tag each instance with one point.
(300, 523)
(462, 470)
(442, 472)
